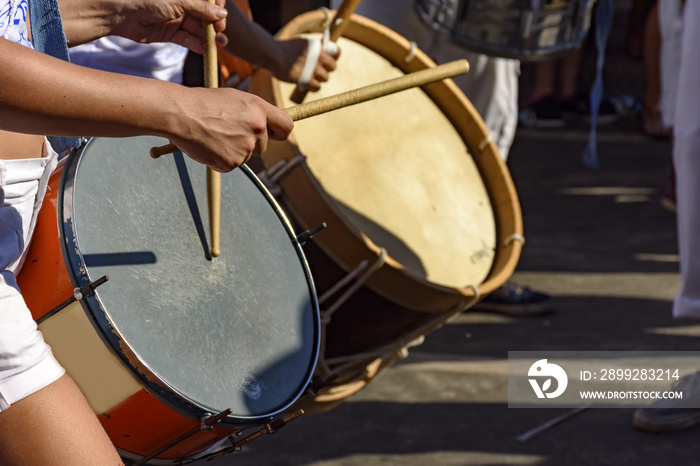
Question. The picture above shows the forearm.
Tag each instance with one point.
(284, 59)
(43, 95)
(250, 41)
(221, 128)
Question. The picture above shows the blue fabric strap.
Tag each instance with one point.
(47, 29)
(604, 20)
(48, 37)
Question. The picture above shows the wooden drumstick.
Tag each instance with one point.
(340, 22)
(381, 89)
(363, 94)
(211, 79)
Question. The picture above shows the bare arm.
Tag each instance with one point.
(218, 127)
(284, 59)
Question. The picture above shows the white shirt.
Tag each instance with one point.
(159, 60)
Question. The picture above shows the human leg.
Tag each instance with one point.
(54, 426)
(652, 123)
(44, 418)
(541, 109)
(686, 155)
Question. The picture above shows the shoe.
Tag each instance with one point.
(672, 414)
(578, 107)
(541, 113)
(514, 300)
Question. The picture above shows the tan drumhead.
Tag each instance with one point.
(399, 172)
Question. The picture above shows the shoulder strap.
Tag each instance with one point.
(48, 37)
(47, 29)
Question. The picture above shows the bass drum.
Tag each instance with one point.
(174, 336)
(423, 218)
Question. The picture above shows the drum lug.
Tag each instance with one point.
(270, 178)
(206, 423)
(318, 384)
(78, 294)
(308, 234)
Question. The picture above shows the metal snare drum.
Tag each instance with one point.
(173, 336)
(528, 30)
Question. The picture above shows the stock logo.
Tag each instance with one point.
(546, 371)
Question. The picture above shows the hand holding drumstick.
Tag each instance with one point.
(337, 26)
(232, 127)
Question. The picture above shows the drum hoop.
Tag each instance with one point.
(98, 316)
(437, 298)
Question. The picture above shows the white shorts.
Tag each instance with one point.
(26, 361)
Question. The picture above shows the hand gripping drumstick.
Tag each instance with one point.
(338, 25)
(363, 94)
(211, 79)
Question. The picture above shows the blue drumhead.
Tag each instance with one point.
(239, 331)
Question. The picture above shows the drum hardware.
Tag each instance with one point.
(487, 140)
(319, 383)
(327, 313)
(206, 423)
(360, 95)
(400, 347)
(514, 237)
(308, 234)
(360, 275)
(78, 294)
(271, 177)
(270, 428)
(411, 52)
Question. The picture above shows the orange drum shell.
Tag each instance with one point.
(305, 200)
(43, 278)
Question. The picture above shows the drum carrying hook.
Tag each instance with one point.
(308, 234)
(318, 384)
